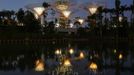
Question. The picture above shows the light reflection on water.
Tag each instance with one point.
(83, 60)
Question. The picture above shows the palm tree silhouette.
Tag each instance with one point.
(45, 5)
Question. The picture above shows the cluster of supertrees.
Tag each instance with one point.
(21, 18)
(97, 21)
(112, 20)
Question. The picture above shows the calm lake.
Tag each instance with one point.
(67, 59)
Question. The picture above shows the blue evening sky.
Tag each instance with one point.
(16, 4)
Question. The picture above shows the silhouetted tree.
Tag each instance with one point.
(50, 27)
(117, 6)
(45, 5)
(20, 15)
(31, 24)
(1, 21)
(77, 24)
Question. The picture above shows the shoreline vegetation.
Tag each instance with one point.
(61, 39)
(16, 35)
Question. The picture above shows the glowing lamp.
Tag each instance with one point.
(39, 65)
(66, 13)
(71, 51)
(57, 52)
(39, 10)
(92, 10)
(81, 55)
(93, 66)
(81, 21)
(67, 63)
(120, 56)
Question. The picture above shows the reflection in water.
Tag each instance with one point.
(67, 63)
(71, 51)
(39, 65)
(81, 55)
(115, 51)
(58, 52)
(93, 66)
(120, 56)
(105, 60)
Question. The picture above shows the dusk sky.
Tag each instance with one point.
(16, 4)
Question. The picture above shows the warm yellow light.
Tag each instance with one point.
(71, 51)
(39, 10)
(120, 56)
(66, 13)
(67, 63)
(93, 66)
(92, 10)
(57, 52)
(81, 55)
(81, 21)
(39, 65)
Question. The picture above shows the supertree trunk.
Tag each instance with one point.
(132, 8)
(117, 6)
(132, 14)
